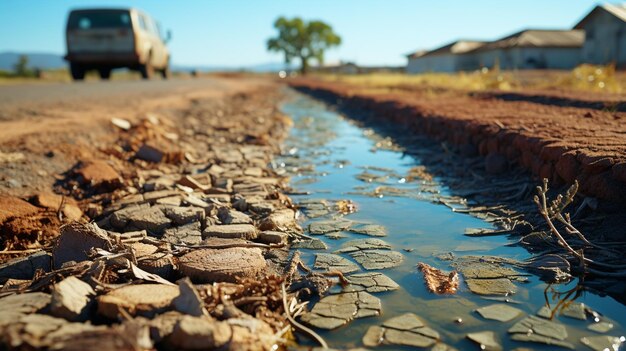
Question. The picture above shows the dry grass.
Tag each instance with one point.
(63, 75)
(601, 79)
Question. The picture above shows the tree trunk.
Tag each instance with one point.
(304, 68)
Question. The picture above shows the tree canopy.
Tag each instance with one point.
(304, 40)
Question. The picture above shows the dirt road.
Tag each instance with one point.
(45, 128)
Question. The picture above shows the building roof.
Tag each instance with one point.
(535, 38)
(617, 10)
(455, 48)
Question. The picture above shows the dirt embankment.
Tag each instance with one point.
(561, 143)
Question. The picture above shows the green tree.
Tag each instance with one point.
(21, 67)
(304, 40)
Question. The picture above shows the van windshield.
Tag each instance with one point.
(99, 19)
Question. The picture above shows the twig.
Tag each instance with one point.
(15, 252)
(299, 326)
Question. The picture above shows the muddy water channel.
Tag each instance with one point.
(337, 166)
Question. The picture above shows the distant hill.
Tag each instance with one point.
(54, 61)
(35, 60)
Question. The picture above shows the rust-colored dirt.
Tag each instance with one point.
(562, 143)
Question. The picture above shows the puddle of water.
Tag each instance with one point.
(330, 153)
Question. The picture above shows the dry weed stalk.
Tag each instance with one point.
(555, 211)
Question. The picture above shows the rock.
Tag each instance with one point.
(98, 174)
(193, 183)
(189, 301)
(501, 286)
(159, 263)
(310, 244)
(15, 306)
(499, 312)
(574, 310)
(230, 216)
(231, 231)
(150, 153)
(329, 226)
(271, 237)
(184, 215)
(377, 259)
(72, 299)
(331, 262)
(151, 219)
(336, 310)
(280, 220)
(11, 207)
(75, 242)
(189, 234)
(601, 343)
(199, 333)
(210, 265)
(438, 281)
(600, 327)
(403, 330)
(121, 123)
(486, 340)
(496, 163)
(535, 329)
(145, 300)
(119, 219)
(368, 229)
(141, 250)
(53, 202)
(371, 282)
(363, 244)
(25, 267)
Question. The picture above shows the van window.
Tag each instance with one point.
(99, 19)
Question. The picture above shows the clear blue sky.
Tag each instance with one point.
(233, 32)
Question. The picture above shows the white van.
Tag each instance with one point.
(104, 39)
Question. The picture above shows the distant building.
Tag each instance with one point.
(448, 58)
(337, 68)
(532, 49)
(605, 39)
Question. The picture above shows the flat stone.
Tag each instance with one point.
(499, 312)
(25, 267)
(151, 219)
(281, 220)
(575, 310)
(331, 262)
(329, 226)
(98, 174)
(15, 306)
(194, 183)
(404, 330)
(189, 301)
(159, 263)
(406, 321)
(119, 219)
(545, 312)
(71, 299)
(230, 216)
(145, 300)
(199, 333)
(371, 282)
(310, 244)
(142, 250)
(601, 343)
(407, 338)
(70, 209)
(368, 229)
(336, 310)
(210, 265)
(75, 242)
(539, 326)
(183, 215)
(600, 327)
(377, 259)
(189, 234)
(541, 339)
(231, 231)
(486, 340)
(272, 237)
(501, 286)
(150, 153)
(374, 336)
(363, 244)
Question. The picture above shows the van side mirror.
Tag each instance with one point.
(168, 36)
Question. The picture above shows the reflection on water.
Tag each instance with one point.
(332, 159)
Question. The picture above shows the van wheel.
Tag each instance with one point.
(105, 73)
(146, 70)
(77, 71)
(165, 72)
